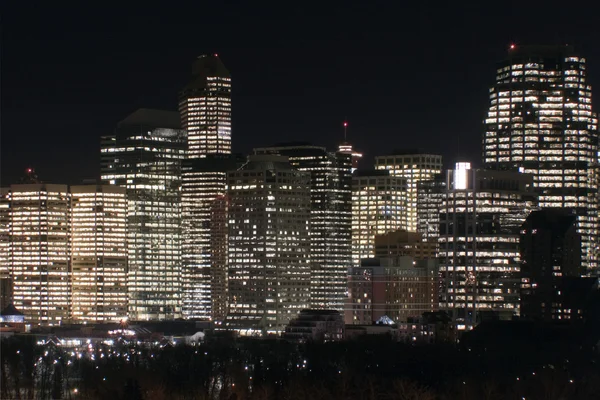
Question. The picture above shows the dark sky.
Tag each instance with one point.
(406, 76)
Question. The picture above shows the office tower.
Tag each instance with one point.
(39, 251)
(205, 108)
(415, 167)
(98, 253)
(330, 218)
(269, 244)
(430, 194)
(479, 259)
(401, 243)
(218, 258)
(550, 262)
(540, 122)
(5, 258)
(204, 185)
(144, 156)
(398, 287)
(379, 205)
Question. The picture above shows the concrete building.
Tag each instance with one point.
(551, 266)
(397, 287)
(315, 326)
(379, 205)
(330, 218)
(269, 245)
(540, 122)
(38, 250)
(479, 255)
(414, 166)
(144, 156)
(98, 253)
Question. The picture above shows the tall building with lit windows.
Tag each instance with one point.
(331, 218)
(203, 187)
(479, 254)
(5, 257)
(379, 205)
(205, 111)
(205, 108)
(38, 251)
(144, 156)
(540, 121)
(269, 244)
(429, 199)
(415, 167)
(98, 253)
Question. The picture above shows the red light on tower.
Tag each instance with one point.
(216, 55)
(28, 170)
(345, 124)
(512, 46)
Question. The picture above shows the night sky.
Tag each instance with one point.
(404, 76)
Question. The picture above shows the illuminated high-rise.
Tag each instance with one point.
(415, 167)
(479, 255)
(5, 257)
(379, 205)
(98, 253)
(269, 244)
(204, 182)
(540, 122)
(331, 218)
(144, 156)
(205, 108)
(38, 251)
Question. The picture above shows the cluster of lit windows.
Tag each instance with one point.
(540, 121)
(479, 242)
(268, 244)
(379, 205)
(331, 219)
(99, 253)
(149, 167)
(414, 168)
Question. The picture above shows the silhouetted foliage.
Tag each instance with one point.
(487, 365)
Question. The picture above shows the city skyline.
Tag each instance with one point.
(358, 69)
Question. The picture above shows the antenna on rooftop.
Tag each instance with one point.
(345, 130)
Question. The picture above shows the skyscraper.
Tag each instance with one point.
(269, 244)
(144, 156)
(331, 218)
(480, 218)
(429, 200)
(203, 189)
(205, 110)
(39, 251)
(540, 122)
(98, 253)
(379, 205)
(415, 167)
(550, 262)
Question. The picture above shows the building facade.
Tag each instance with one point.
(98, 253)
(550, 263)
(540, 121)
(379, 205)
(38, 250)
(205, 110)
(430, 195)
(479, 252)
(330, 216)
(396, 288)
(415, 167)
(205, 234)
(269, 244)
(144, 156)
